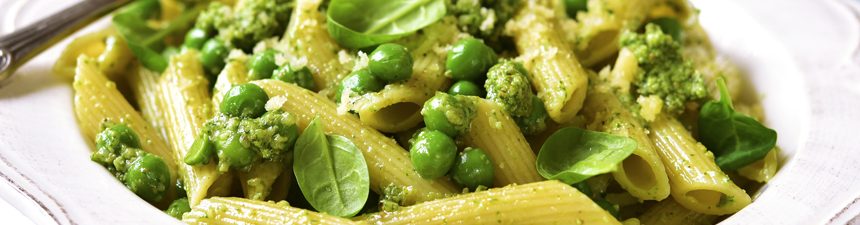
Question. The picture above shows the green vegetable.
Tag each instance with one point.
(432, 153)
(509, 86)
(241, 141)
(574, 6)
(331, 172)
(485, 19)
(233, 154)
(449, 114)
(245, 100)
(262, 65)
(360, 24)
(535, 122)
(301, 77)
(114, 136)
(178, 207)
(146, 42)
(248, 23)
(663, 70)
(359, 83)
(391, 62)
(213, 54)
(465, 87)
(735, 139)
(200, 152)
(572, 155)
(473, 168)
(469, 59)
(195, 38)
(148, 177)
(393, 197)
(669, 26)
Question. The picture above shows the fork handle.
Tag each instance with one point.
(20, 46)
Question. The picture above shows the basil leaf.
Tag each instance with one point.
(735, 139)
(331, 172)
(359, 24)
(145, 42)
(572, 155)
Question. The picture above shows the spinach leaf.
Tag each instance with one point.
(735, 139)
(145, 42)
(572, 155)
(360, 24)
(331, 172)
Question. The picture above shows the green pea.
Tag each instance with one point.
(432, 154)
(148, 177)
(200, 152)
(301, 77)
(262, 64)
(574, 6)
(448, 114)
(473, 168)
(195, 38)
(245, 100)
(115, 135)
(391, 62)
(465, 87)
(178, 207)
(233, 153)
(469, 59)
(213, 54)
(359, 82)
(669, 26)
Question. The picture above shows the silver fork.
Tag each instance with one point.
(20, 46)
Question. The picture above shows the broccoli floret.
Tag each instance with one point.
(216, 17)
(508, 85)
(393, 197)
(484, 18)
(248, 23)
(271, 136)
(664, 71)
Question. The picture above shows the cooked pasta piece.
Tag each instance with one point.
(547, 202)
(387, 162)
(397, 107)
(144, 87)
(600, 28)
(669, 212)
(642, 173)
(553, 68)
(696, 181)
(106, 47)
(97, 100)
(309, 40)
(762, 170)
(184, 93)
(257, 181)
(219, 210)
(499, 136)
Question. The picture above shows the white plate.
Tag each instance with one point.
(802, 57)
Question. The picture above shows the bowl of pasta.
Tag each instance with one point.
(438, 112)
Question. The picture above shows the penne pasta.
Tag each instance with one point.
(553, 68)
(499, 136)
(669, 212)
(97, 100)
(220, 210)
(696, 181)
(547, 202)
(309, 40)
(184, 94)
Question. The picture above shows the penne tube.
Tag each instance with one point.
(669, 212)
(696, 181)
(553, 68)
(220, 210)
(547, 202)
(499, 136)
(184, 93)
(309, 40)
